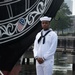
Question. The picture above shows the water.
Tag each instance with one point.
(61, 67)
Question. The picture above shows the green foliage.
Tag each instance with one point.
(62, 19)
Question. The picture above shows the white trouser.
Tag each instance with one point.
(44, 69)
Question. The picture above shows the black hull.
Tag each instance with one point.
(11, 51)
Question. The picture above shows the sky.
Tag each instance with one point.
(73, 7)
(70, 5)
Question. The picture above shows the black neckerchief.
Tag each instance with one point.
(43, 36)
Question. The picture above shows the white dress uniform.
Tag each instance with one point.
(45, 51)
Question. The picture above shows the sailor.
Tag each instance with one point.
(45, 45)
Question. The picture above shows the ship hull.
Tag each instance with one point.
(18, 29)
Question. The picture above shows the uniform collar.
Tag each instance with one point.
(47, 30)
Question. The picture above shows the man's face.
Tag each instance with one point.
(45, 25)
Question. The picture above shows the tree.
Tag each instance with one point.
(62, 19)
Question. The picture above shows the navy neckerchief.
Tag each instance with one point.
(43, 36)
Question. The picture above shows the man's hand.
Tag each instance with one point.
(40, 60)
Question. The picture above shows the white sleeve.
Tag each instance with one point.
(52, 48)
(35, 48)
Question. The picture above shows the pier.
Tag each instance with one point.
(64, 58)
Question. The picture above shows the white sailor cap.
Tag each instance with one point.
(45, 18)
